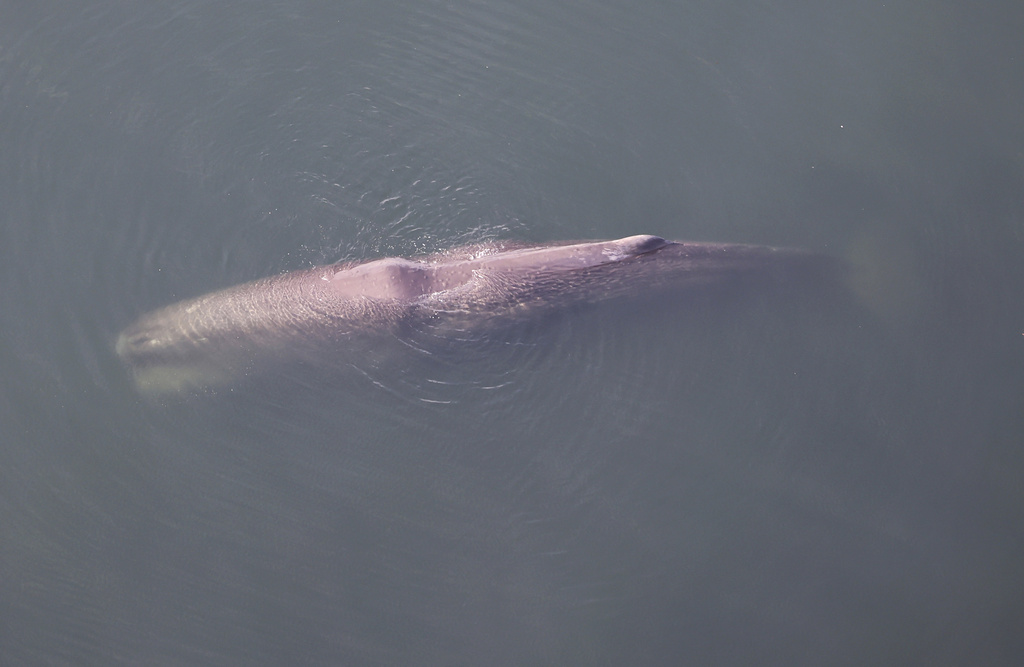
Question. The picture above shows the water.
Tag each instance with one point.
(794, 478)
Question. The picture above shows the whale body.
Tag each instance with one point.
(214, 338)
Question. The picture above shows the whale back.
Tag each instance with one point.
(197, 341)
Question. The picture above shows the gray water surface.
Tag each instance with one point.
(788, 477)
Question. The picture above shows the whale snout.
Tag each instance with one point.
(148, 341)
(129, 343)
(136, 343)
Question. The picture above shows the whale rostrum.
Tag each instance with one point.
(210, 339)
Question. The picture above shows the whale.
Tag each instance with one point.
(215, 338)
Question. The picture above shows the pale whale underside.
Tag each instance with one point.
(213, 338)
